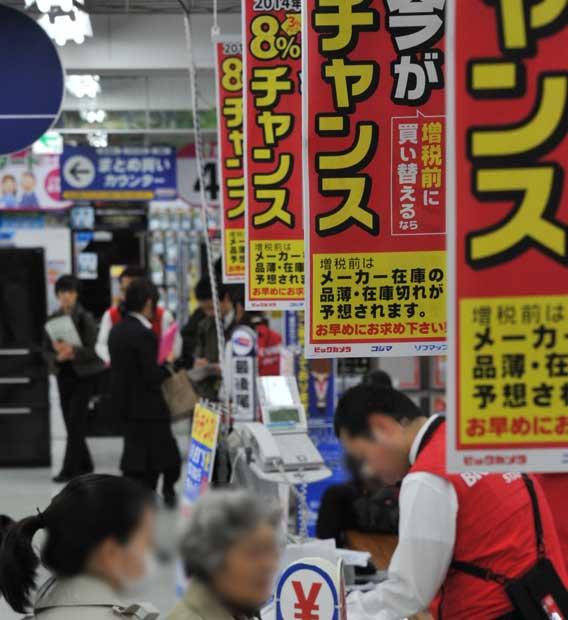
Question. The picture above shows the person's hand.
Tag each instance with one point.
(171, 358)
(201, 362)
(65, 352)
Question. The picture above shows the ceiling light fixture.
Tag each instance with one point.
(93, 116)
(64, 25)
(83, 85)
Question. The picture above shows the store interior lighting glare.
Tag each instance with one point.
(83, 85)
(98, 139)
(62, 21)
(45, 6)
(93, 116)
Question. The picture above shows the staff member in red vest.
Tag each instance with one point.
(161, 322)
(483, 520)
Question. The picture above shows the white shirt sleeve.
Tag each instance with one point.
(427, 532)
(101, 348)
(167, 321)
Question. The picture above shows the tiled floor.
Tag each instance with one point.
(24, 490)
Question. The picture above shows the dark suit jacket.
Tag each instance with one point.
(86, 362)
(136, 378)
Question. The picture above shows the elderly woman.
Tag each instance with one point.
(230, 553)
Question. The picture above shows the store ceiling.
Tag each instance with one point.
(145, 7)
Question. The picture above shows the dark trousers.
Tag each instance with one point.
(150, 479)
(75, 393)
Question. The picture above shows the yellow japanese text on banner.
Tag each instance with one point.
(273, 169)
(229, 72)
(374, 180)
(508, 255)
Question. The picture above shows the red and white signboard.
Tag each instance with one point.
(374, 138)
(273, 147)
(229, 73)
(508, 225)
(311, 589)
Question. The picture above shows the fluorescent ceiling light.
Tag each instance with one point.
(93, 116)
(83, 85)
(73, 25)
(45, 6)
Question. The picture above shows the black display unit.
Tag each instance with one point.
(24, 383)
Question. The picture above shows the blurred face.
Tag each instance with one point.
(226, 305)
(125, 564)
(207, 307)
(248, 572)
(125, 282)
(385, 453)
(67, 300)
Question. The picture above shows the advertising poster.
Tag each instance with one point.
(273, 145)
(201, 456)
(508, 310)
(30, 182)
(374, 180)
(118, 173)
(229, 73)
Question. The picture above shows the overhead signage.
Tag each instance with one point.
(51, 143)
(119, 173)
(32, 81)
(374, 200)
(508, 227)
(273, 146)
(229, 73)
(30, 182)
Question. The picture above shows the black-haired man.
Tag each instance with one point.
(161, 321)
(150, 448)
(76, 368)
(206, 347)
(478, 520)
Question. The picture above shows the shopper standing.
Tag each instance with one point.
(76, 368)
(207, 347)
(161, 322)
(99, 532)
(150, 448)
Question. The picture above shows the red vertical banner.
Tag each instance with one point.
(374, 180)
(508, 255)
(229, 74)
(273, 167)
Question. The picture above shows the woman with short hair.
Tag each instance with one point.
(230, 552)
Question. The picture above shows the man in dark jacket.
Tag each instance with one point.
(150, 448)
(76, 368)
(207, 348)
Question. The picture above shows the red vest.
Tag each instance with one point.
(495, 530)
(116, 317)
(269, 351)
